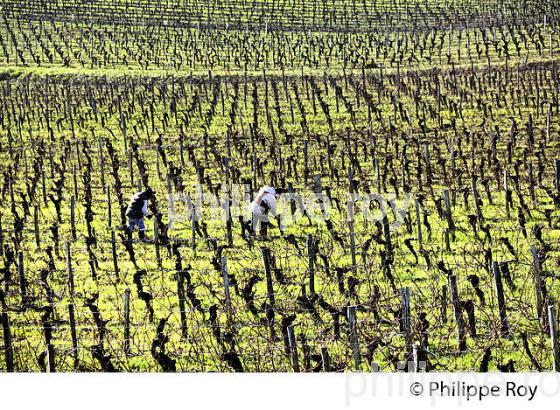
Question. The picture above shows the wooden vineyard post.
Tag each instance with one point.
(531, 182)
(35, 228)
(444, 303)
(549, 110)
(418, 222)
(73, 334)
(269, 291)
(553, 325)
(182, 152)
(557, 176)
(318, 190)
(131, 168)
(254, 158)
(8, 348)
(448, 213)
(293, 348)
(387, 235)
(44, 184)
(193, 227)
(377, 176)
(227, 205)
(70, 274)
(405, 316)
(50, 358)
(351, 315)
(122, 118)
(325, 359)
(428, 164)
(353, 245)
(476, 199)
(127, 321)
(101, 162)
(538, 283)
(348, 147)
(226, 282)
(446, 235)
(351, 212)
(109, 213)
(205, 146)
(69, 271)
(114, 251)
(457, 311)
(158, 168)
(305, 162)
(73, 217)
(75, 177)
(22, 280)
(1, 238)
(504, 327)
(415, 358)
(181, 297)
(156, 242)
(311, 260)
(506, 194)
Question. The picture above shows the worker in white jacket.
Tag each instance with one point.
(263, 207)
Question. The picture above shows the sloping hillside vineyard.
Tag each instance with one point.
(440, 116)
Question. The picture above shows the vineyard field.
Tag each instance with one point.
(440, 117)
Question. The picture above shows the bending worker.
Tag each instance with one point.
(263, 206)
(136, 211)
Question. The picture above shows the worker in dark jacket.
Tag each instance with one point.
(136, 211)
